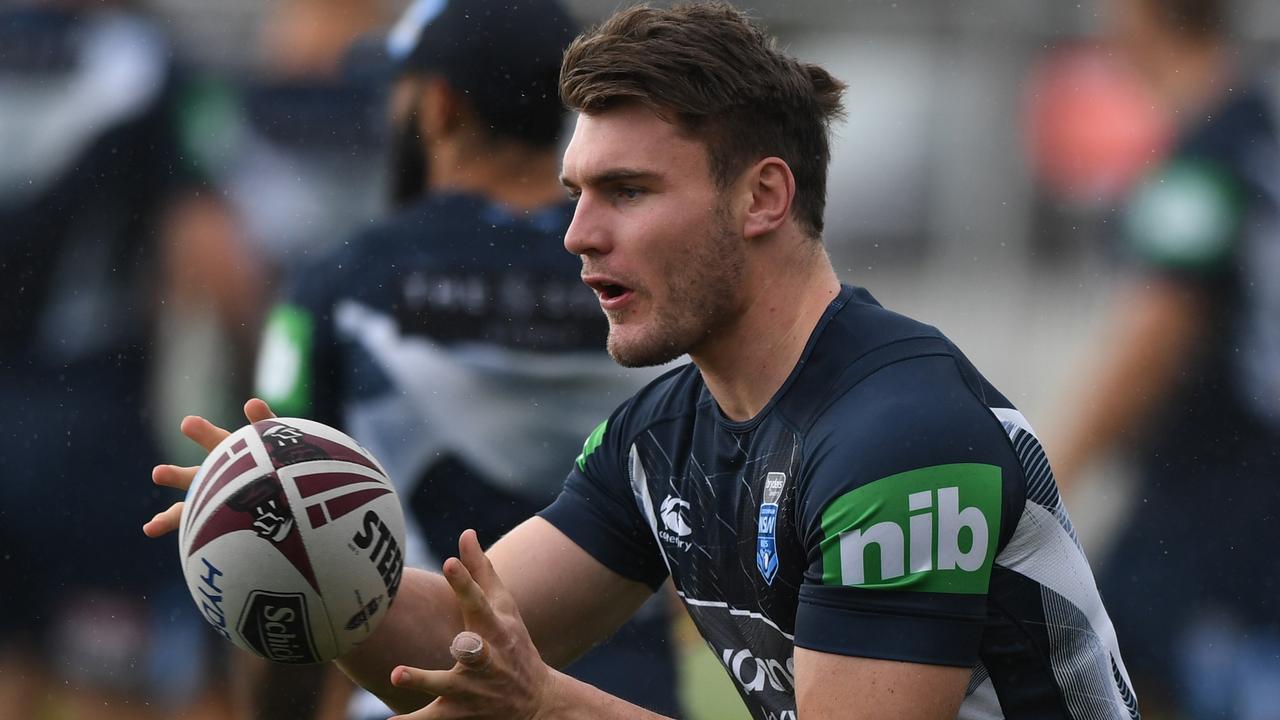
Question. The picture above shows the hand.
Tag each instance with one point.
(207, 435)
(498, 672)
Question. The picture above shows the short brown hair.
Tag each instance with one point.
(717, 75)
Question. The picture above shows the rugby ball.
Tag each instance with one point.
(292, 541)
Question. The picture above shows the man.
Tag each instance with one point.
(861, 526)
(459, 321)
(1190, 378)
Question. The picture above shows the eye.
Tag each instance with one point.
(573, 194)
(629, 193)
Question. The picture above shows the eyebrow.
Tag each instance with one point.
(612, 176)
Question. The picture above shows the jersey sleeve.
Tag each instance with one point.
(295, 370)
(900, 511)
(1183, 221)
(598, 510)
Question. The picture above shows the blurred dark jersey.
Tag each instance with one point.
(1209, 218)
(887, 503)
(91, 156)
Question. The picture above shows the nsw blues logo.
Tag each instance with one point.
(767, 526)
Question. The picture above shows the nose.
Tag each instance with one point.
(586, 234)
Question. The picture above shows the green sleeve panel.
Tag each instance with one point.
(1185, 217)
(593, 441)
(934, 529)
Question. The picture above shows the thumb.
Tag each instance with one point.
(256, 409)
(470, 650)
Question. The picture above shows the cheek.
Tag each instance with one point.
(671, 238)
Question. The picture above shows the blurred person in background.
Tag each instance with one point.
(102, 219)
(1189, 380)
(295, 145)
(445, 337)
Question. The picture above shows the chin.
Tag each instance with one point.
(643, 351)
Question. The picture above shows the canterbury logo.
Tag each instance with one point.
(672, 517)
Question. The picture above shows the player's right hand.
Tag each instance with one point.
(206, 435)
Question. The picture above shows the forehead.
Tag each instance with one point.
(633, 137)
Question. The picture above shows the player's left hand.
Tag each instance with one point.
(206, 435)
(498, 672)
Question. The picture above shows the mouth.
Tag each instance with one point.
(612, 294)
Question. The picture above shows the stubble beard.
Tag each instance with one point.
(702, 292)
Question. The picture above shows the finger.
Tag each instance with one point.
(478, 565)
(174, 476)
(432, 682)
(477, 613)
(164, 522)
(257, 409)
(470, 651)
(205, 433)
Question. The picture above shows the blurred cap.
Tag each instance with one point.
(504, 55)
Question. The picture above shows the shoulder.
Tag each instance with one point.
(921, 409)
(904, 412)
(854, 341)
(894, 386)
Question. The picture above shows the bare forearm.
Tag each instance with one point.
(418, 629)
(573, 699)
(1150, 344)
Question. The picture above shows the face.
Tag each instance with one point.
(655, 235)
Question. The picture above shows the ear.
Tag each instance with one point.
(772, 189)
(439, 108)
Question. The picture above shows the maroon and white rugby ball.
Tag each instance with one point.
(292, 541)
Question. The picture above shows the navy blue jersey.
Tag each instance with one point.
(887, 503)
(456, 341)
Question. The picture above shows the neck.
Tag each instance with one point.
(510, 174)
(787, 294)
(1191, 77)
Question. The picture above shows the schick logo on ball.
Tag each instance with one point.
(933, 530)
(275, 625)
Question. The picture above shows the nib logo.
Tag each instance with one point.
(934, 530)
(675, 526)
